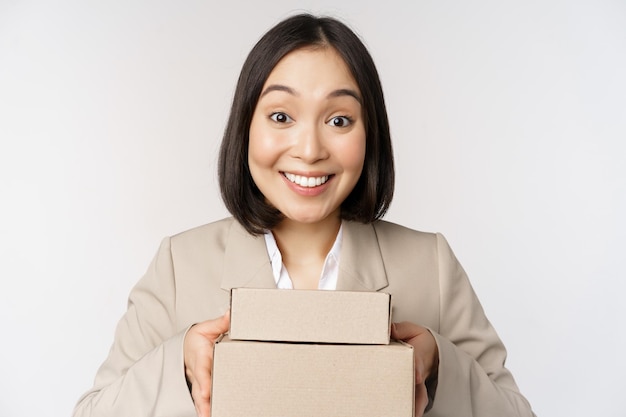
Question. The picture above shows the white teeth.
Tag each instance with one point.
(306, 181)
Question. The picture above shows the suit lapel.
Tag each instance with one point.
(246, 263)
(361, 266)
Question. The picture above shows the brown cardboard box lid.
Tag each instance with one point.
(315, 316)
(265, 379)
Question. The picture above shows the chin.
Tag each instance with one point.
(308, 218)
(305, 220)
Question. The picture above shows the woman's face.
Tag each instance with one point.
(307, 136)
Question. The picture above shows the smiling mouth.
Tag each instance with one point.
(308, 182)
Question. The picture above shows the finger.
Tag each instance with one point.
(198, 363)
(203, 408)
(201, 394)
(419, 370)
(421, 399)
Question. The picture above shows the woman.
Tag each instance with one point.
(306, 169)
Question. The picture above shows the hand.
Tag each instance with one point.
(426, 358)
(198, 356)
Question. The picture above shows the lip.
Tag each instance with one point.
(307, 191)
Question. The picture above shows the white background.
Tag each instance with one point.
(508, 120)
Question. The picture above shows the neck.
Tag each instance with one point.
(307, 239)
(304, 248)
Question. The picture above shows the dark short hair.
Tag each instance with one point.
(370, 198)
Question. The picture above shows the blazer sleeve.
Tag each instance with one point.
(144, 372)
(472, 378)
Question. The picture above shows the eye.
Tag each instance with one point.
(280, 117)
(340, 121)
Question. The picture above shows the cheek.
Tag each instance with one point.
(261, 148)
(353, 153)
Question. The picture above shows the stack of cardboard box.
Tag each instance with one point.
(311, 353)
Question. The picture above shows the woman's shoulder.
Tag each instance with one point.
(392, 239)
(401, 241)
(397, 232)
(214, 233)
(217, 226)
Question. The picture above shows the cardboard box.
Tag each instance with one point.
(315, 316)
(265, 379)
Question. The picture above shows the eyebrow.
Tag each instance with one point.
(342, 92)
(278, 87)
(346, 92)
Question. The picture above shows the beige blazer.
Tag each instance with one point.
(189, 281)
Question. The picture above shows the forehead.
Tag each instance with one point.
(312, 65)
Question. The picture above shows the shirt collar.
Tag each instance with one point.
(330, 270)
(276, 259)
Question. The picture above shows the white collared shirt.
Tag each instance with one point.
(330, 271)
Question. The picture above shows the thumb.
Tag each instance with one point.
(405, 330)
(213, 328)
(223, 323)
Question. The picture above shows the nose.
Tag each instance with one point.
(309, 144)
